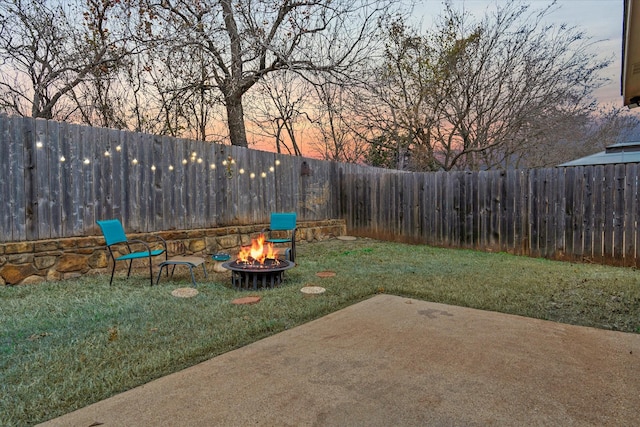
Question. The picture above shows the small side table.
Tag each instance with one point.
(189, 261)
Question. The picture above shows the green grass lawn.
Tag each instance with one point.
(64, 345)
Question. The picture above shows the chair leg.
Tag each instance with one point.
(150, 271)
(160, 272)
(166, 258)
(129, 271)
(113, 270)
(205, 270)
(193, 278)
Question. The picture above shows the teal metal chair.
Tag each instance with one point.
(117, 241)
(282, 230)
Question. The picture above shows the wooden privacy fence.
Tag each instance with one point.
(585, 213)
(57, 179)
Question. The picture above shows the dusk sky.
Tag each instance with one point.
(599, 19)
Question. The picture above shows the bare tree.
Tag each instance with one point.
(339, 132)
(470, 94)
(48, 48)
(405, 100)
(278, 110)
(244, 40)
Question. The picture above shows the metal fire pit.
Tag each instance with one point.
(257, 276)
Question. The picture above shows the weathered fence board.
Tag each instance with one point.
(636, 212)
(6, 220)
(505, 198)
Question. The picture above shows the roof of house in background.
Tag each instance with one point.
(624, 152)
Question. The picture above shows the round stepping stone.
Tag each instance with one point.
(324, 274)
(184, 292)
(313, 290)
(346, 238)
(246, 300)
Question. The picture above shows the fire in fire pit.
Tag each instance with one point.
(257, 266)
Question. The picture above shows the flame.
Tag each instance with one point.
(257, 252)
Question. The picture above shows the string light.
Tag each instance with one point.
(228, 162)
(38, 144)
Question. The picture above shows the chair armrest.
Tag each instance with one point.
(160, 239)
(146, 243)
(140, 242)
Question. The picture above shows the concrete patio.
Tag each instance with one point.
(397, 361)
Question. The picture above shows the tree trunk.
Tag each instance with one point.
(235, 120)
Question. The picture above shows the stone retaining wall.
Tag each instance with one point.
(47, 260)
